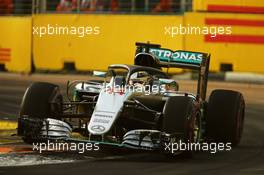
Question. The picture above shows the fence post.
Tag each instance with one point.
(78, 6)
(43, 6)
(133, 5)
(183, 6)
(146, 5)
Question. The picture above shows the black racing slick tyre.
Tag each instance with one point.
(225, 117)
(179, 124)
(41, 100)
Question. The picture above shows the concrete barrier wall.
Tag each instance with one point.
(15, 43)
(114, 44)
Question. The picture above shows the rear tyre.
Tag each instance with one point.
(225, 117)
(181, 121)
(41, 100)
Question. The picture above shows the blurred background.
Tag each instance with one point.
(22, 7)
(121, 24)
(237, 57)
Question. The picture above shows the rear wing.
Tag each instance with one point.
(152, 55)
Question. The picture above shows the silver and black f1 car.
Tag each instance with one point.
(136, 106)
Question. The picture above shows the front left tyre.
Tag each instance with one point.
(41, 100)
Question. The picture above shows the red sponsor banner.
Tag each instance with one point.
(249, 39)
(233, 38)
(236, 9)
(5, 54)
(234, 22)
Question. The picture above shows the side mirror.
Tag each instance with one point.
(142, 74)
(169, 84)
(99, 73)
(112, 72)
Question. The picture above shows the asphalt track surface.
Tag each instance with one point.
(247, 159)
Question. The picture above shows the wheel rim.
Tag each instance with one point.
(197, 130)
(240, 121)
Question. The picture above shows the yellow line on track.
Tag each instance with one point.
(7, 125)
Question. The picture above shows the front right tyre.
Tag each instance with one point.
(181, 125)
